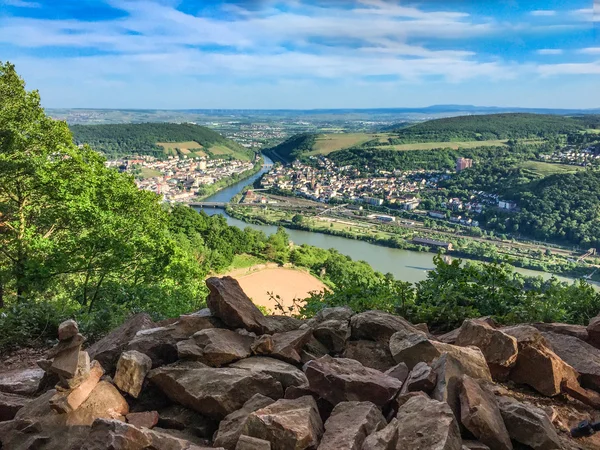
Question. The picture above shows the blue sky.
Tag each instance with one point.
(305, 54)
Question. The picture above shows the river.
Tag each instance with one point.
(405, 265)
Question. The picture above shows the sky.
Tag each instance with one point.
(305, 54)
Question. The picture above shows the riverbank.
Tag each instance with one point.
(213, 189)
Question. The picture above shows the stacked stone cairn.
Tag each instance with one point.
(228, 377)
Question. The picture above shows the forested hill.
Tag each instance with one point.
(489, 127)
(293, 147)
(142, 139)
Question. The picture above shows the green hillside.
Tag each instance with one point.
(489, 127)
(144, 139)
(293, 147)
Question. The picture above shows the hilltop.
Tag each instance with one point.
(158, 139)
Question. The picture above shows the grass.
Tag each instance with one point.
(149, 173)
(544, 169)
(218, 150)
(329, 143)
(244, 261)
(172, 146)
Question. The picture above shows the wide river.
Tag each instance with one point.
(405, 265)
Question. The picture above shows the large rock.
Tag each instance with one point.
(216, 347)
(213, 392)
(411, 348)
(108, 349)
(287, 374)
(104, 402)
(177, 417)
(252, 443)
(132, 369)
(399, 371)
(228, 301)
(421, 378)
(500, 349)
(146, 419)
(333, 334)
(480, 414)
(528, 425)
(593, 330)
(578, 331)
(583, 357)
(537, 365)
(158, 344)
(375, 355)
(427, 424)
(230, 428)
(281, 324)
(21, 381)
(349, 425)
(378, 326)
(10, 404)
(336, 313)
(342, 380)
(288, 345)
(384, 439)
(72, 399)
(287, 424)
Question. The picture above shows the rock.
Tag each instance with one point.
(287, 346)
(178, 417)
(65, 345)
(593, 330)
(36, 408)
(189, 324)
(587, 396)
(287, 374)
(349, 425)
(474, 445)
(65, 363)
(10, 404)
(403, 397)
(378, 326)
(499, 349)
(228, 302)
(158, 344)
(412, 348)
(108, 349)
(421, 378)
(252, 443)
(287, 424)
(213, 392)
(151, 398)
(281, 324)
(422, 327)
(81, 374)
(375, 355)
(448, 338)
(341, 380)
(583, 357)
(399, 371)
(537, 365)
(335, 313)
(132, 369)
(470, 358)
(528, 425)
(313, 349)
(427, 424)
(263, 345)
(333, 334)
(384, 439)
(21, 381)
(67, 330)
(480, 414)
(578, 331)
(147, 419)
(64, 402)
(231, 426)
(217, 347)
(104, 402)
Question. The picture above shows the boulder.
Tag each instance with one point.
(499, 349)
(421, 378)
(583, 357)
(537, 365)
(108, 349)
(528, 425)
(263, 345)
(578, 331)
(324, 406)
(427, 424)
(36, 408)
(216, 347)
(288, 345)
(158, 344)
(178, 417)
(67, 330)
(399, 371)
(104, 402)
(281, 324)
(228, 302)
(21, 381)
(449, 337)
(132, 369)
(378, 326)
(373, 354)
(230, 428)
(479, 413)
(384, 439)
(470, 358)
(403, 397)
(342, 380)
(412, 348)
(349, 425)
(70, 400)
(10, 404)
(593, 330)
(252, 443)
(287, 374)
(336, 313)
(213, 392)
(146, 419)
(287, 424)
(333, 334)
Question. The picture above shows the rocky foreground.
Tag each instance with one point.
(228, 377)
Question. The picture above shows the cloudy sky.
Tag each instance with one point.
(305, 54)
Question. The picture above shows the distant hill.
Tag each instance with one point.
(293, 147)
(489, 127)
(157, 139)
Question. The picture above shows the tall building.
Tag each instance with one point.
(463, 163)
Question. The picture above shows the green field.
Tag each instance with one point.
(149, 173)
(544, 169)
(328, 143)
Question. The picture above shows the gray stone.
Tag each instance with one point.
(333, 334)
(287, 374)
(67, 330)
(373, 354)
(412, 348)
(132, 369)
(378, 326)
(21, 381)
(421, 378)
(217, 347)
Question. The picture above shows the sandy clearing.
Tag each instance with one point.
(289, 284)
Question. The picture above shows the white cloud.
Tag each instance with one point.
(589, 51)
(591, 68)
(550, 51)
(20, 3)
(543, 13)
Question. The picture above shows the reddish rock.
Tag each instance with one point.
(333, 334)
(252, 443)
(384, 439)
(378, 326)
(421, 378)
(399, 371)
(578, 331)
(349, 425)
(287, 374)
(147, 419)
(375, 355)
(287, 346)
(64, 402)
(104, 402)
(177, 417)
(593, 330)
(263, 345)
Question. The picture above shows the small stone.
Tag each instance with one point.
(399, 371)
(132, 369)
(65, 364)
(146, 419)
(83, 371)
(67, 330)
(263, 345)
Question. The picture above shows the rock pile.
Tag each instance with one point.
(230, 378)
